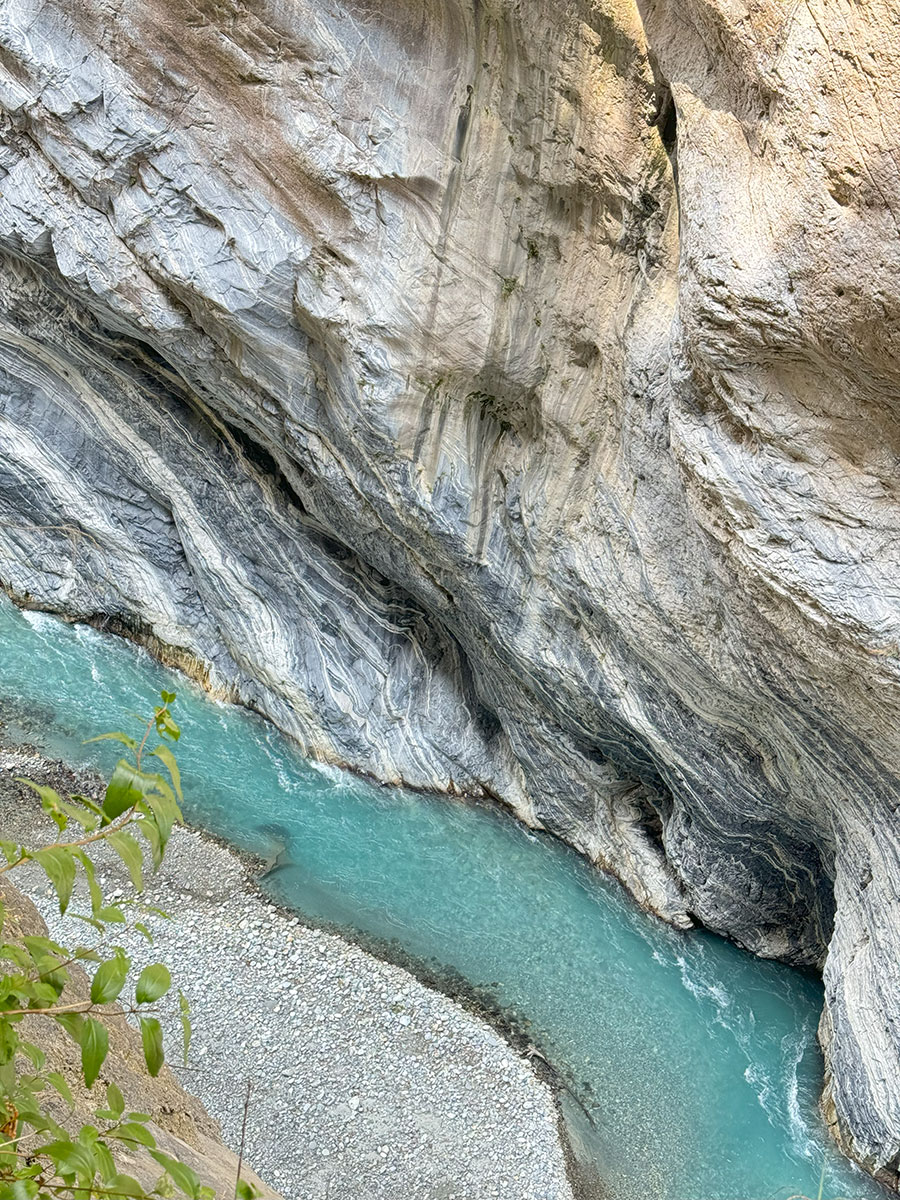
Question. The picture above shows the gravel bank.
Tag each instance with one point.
(364, 1083)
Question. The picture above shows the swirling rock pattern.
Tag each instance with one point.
(500, 396)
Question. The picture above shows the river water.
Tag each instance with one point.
(691, 1068)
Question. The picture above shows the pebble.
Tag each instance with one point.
(344, 1102)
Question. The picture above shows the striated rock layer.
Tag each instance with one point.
(500, 396)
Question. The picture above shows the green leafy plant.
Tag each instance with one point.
(39, 1158)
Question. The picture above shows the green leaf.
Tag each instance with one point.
(151, 833)
(115, 1100)
(94, 1048)
(105, 1163)
(43, 945)
(151, 1037)
(48, 989)
(181, 1175)
(131, 1131)
(86, 954)
(8, 1078)
(51, 801)
(162, 803)
(166, 755)
(89, 804)
(130, 853)
(72, 1023)
(19, 1189)
(70, 1158)
(154, 982)
(117, 736)
(109, 979)
(34, 1054)
(9, 1041)
(45, 1124)
(57, 1082)
(59, 866)
(165, 726)
(13, 953)
(126, 1185)
(94, 924)
(122, 791)
(168, 697)
(93, 887)
(88, 1135)
(112, 913)
(75, 812)
(61, 811)
(245, 1191)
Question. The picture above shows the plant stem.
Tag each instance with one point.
(243, 1136)
(82, 1006)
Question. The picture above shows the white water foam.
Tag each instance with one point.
(800, 1132)
(40, 620)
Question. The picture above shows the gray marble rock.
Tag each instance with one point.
(502, 398)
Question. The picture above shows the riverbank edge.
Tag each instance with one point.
(584, 1186)
(447, 983)
(582, 1180)
(196, 669)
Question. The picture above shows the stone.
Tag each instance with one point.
(180, 1125)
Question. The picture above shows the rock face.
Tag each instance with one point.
(501, 397)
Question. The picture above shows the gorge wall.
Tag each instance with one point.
(501, 396)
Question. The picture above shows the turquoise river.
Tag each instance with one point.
(692, 1068)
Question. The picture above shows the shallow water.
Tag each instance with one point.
(693, 1066)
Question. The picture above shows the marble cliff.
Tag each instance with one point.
(502, 396)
